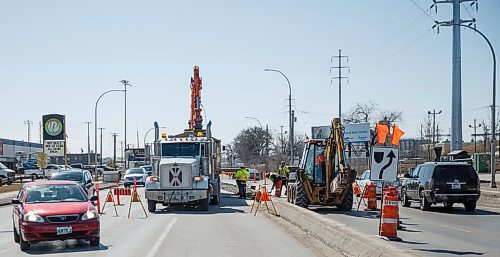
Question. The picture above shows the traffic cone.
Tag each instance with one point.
(372, 197)
(390, 215)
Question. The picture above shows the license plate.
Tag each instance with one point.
(64, 230)
(455, 186)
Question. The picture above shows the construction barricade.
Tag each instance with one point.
(370, 193)
(263, 196)
(389, 219)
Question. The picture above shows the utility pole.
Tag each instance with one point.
(475, 134)
(40, 135)
(433, 113)
(28, 123)
(281, 139)
(121, 152)
(114, 149)
(456, 91)
(339, 77)
(101, 145)
(138, 140)
(88, 142)
(126, 84)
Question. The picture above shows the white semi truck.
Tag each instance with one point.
(186, 170)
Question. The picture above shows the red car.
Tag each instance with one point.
(54, 210)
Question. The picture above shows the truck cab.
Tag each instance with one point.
(187, 173)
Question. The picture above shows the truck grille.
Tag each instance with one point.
(175, 175)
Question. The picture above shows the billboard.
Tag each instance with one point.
(53, 148)
(357, 133)
(320, 132)
(135, 155)
(53, 127)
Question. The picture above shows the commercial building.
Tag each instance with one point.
(13, 151)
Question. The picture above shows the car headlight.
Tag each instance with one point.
(90, 215)
(31, 217)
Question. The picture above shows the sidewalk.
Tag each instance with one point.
(6, 198)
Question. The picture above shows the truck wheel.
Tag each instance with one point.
(346, 205)
(215, 199)
(424, 204)
(301, 200)
(404, 200)
(470, 205)
(204, 204)
(151, 206)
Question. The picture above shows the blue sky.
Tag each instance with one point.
(59, 56)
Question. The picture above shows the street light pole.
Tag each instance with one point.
(493, 127)
(475, 134)
(290, 121)
(95, 125)
(88, 143)
(253, 118)
(147, 135)
(101, 129)
(125, 84)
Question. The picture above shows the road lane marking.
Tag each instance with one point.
(162, 237)
(459, 229)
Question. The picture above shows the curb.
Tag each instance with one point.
(5, 202)
(336, 235)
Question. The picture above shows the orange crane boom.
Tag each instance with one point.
(196, 121)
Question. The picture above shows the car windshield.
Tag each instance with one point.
(454, 172)
(135, 171)
(180, 149)
(71, 176)
(55, 194)
(148, 168)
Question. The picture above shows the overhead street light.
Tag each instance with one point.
(290, 119)
(253, 118)
(95, 128)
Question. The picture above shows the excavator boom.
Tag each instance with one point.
(196, 120)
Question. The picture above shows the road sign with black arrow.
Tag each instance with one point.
(384, 164)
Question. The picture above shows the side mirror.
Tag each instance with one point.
(407, 175)
(93, 198)
(16, 201)
(89, 181)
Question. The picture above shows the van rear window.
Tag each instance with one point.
(454, 171)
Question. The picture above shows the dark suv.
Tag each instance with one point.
(441, 182)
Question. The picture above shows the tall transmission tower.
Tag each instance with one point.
(339, 76)
(28, 123)
(456, 81)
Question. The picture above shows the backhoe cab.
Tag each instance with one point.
(324, 177)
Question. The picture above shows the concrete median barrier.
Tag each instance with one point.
(337, 236)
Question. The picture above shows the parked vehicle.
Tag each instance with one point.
(54, 210)
(51, 169)
(82, 177)
(105, 168)
(364, 180)
(6, 175)
(148, 168)
(76, 166)
(139, 174)
(441, 182)
(253, 174)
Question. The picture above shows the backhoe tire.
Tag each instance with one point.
(301, 200)
(347, 204)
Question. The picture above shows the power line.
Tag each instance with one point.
(422, 9)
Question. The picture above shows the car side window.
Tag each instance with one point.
(20, 195)
(414, 173)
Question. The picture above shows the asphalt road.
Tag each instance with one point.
(437, 232)
(226, 230)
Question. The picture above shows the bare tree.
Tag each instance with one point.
(370, 112)
(249, 145)
(361, 112)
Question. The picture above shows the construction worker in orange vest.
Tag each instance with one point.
(241, 180)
